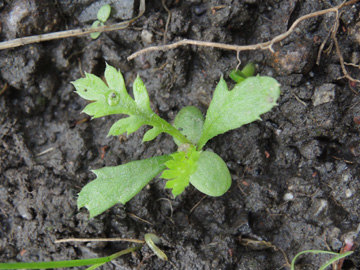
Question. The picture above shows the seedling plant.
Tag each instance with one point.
(190, 164)
(205, 170)
(102, 16)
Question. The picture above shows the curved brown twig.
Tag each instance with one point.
(259, 46)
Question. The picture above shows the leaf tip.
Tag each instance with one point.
(95, 172)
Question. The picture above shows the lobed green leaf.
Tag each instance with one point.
(115, 79)
(91, 87)
(128, 125)
(141, 96)
(244, 104)
(119, 184)
(113, 98)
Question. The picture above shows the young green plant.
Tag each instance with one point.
(102, 16)
(204, 169)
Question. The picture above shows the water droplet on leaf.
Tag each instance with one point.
(113, 98)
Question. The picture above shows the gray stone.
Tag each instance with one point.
(311, 149)
(318, 210)
(296, 58)
(147, 36)
(324, 94)
(24, 210)
(28, 17)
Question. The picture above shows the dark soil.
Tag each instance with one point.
(295, 174)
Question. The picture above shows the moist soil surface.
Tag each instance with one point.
(295, 174)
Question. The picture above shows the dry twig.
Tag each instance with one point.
(259, 46)
(70, 33)
(167, 20)
(4, 88)
(139, 218)
(334, 31)
(341, 59)
(197, 204)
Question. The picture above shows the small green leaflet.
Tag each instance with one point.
(179, 170)
(95, 24)
(119, 184)
(109, 100)
(104, 13)
(242, 105)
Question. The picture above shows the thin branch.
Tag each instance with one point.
(198, 43)
(262, 46)
(338, 51)
(4, 88)
(167, 20)
(352, 65)
(197, 204)
(57, 35)
(239, 60)
(70, 33)
(323, 45)
(341, 59)
(298, 99)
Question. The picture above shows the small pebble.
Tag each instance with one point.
(311, 149)
(336, 244)
(199, 10)
(324, 94)
(288, 197)
(147, 36)
(348, 193)
(24, 212)
(346, 177)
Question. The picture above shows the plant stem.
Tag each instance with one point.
(170, 129)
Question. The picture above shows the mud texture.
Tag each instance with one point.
(295, 173)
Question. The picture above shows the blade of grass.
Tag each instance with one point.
(338, 257)
(70, 263)
(94, 266)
